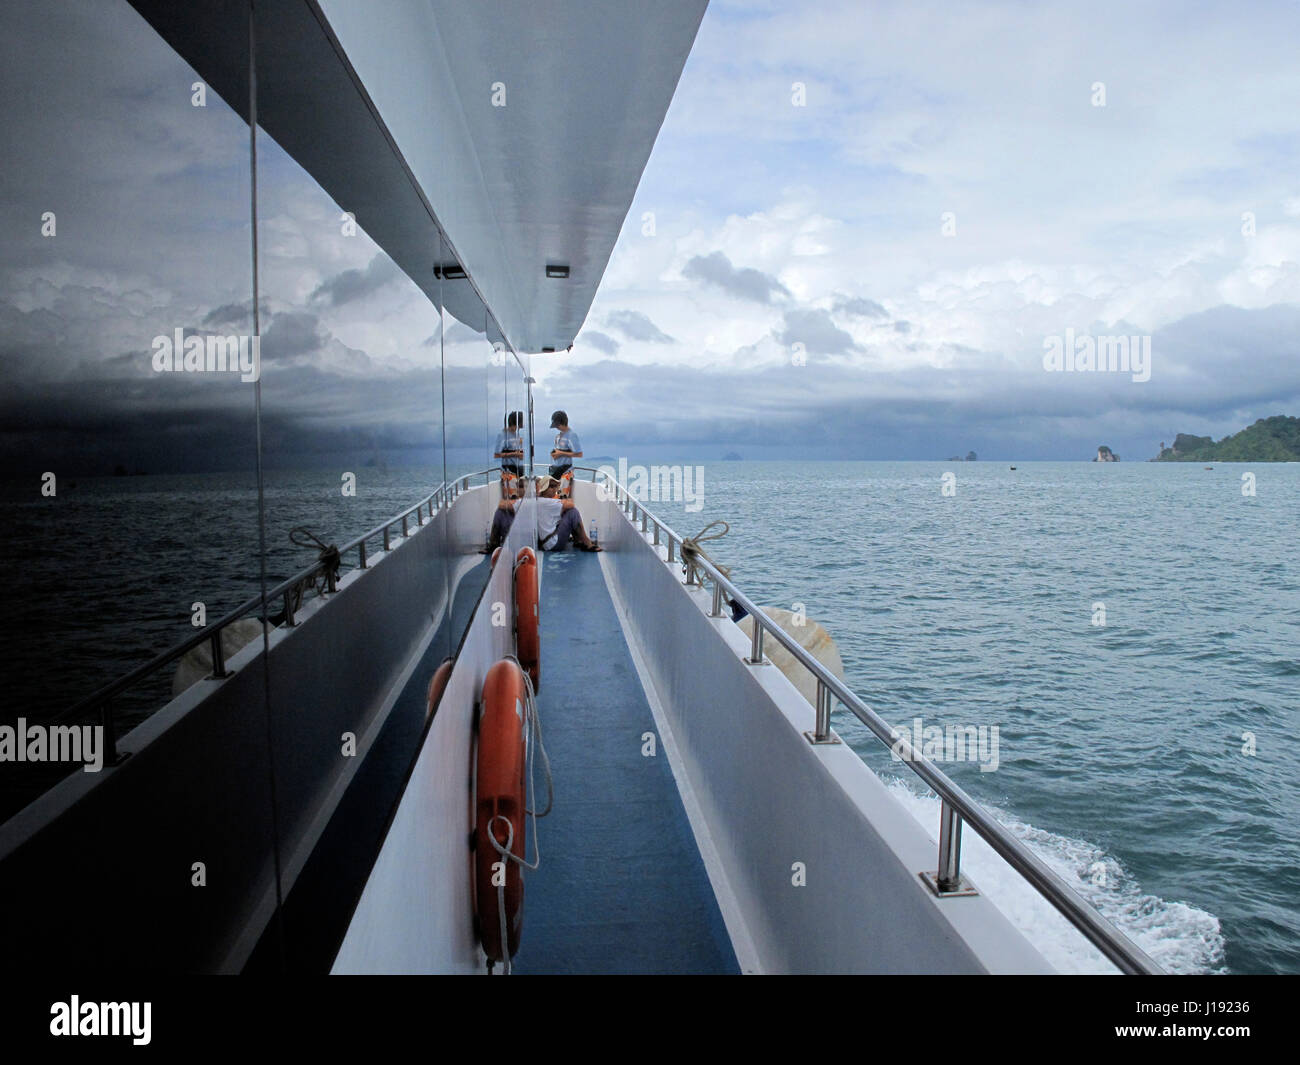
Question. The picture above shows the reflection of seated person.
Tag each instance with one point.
(558, 521)
(502, 520)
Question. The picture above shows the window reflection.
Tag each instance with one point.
(129, 512)
(359, 374)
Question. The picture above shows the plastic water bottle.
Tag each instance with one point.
(592, 534)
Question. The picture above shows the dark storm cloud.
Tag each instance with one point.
(859, 308)
(231, 314)
(745, 283)
(352, 285)
(816, 332)
(291, 333)
(1211, 373)
(599, 341)
(636, 326)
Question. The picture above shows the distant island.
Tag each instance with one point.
(1105, 454)
(970, 457)
(731, 456)
(1275, 439)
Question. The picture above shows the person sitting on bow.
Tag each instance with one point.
(559, 523)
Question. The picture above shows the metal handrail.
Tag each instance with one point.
(957, 805)
(286, 589)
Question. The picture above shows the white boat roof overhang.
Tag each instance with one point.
(520, 127)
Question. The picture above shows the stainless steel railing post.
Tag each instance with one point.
(949, 875)
(361, 552)
(110, 734)
(823, 713)
(756, 644)
(821, 733)
(218, 656)
(716, 612)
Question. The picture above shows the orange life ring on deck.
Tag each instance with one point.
(436, 685)
(499, 809)
(566, 484)
(528, 647)
(494, 558)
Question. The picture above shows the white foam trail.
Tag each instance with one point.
(1178, 937)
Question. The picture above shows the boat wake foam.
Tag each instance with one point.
(1178, 937)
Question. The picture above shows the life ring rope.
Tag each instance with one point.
(533, 740)
(533, 744)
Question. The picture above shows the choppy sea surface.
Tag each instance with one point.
(1132, 631)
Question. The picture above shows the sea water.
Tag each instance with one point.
(1132, 632)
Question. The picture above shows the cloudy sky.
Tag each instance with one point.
(858, 228)
(776, 224)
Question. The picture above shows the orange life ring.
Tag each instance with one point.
(499, 809)
(528, 646)
(436, 685)
(495, 554)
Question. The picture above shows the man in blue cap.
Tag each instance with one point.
(567, 446)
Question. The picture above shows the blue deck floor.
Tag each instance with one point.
(622, 887)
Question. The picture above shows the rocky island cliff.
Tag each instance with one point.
(1275, 439)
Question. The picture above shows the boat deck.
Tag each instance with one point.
(622, 887)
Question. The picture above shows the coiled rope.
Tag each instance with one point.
(533, 739)
(692, 551)
(301, 536)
